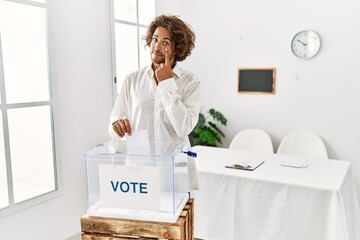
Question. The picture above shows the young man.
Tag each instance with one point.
(162, 98)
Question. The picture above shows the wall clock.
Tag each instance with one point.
(305, 44)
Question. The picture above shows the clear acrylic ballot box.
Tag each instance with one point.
(139, 183)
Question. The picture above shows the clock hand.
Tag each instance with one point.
(305, 44)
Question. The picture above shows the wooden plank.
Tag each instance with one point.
(191, 205)
(189, 209)
(185, 215)
(111, 228)
(102, 237)
(114, 226)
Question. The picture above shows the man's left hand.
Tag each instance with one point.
(164, 71)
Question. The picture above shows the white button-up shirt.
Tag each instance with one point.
(169, 110)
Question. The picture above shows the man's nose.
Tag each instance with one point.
(158, 46)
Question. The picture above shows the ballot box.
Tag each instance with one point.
(147, 183)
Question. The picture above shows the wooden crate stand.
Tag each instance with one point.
(101, 228)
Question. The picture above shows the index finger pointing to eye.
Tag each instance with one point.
(167, 60)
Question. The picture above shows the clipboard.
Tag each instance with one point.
(246, 167)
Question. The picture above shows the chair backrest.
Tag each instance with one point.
(255, 140)
(303, 143)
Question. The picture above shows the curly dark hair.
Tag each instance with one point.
(181, 33)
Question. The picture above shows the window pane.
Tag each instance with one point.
(23, 37)
(31, 152)
(126, 51)
(144, 51)
(146, 11)
(125, 10)
(4, 200)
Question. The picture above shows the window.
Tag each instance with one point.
(27, 159)
(129, 24)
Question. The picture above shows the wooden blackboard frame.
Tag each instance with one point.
(256, 80)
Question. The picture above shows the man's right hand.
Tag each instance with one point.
(121, 127)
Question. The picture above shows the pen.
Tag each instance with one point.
(239, 166)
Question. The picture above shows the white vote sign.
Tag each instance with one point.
(133, 187)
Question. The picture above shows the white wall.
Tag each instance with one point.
(230, 34)
(81, 83)
(320, 94)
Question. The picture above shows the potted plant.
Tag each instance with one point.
(206, 132)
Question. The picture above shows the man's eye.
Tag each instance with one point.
(166, 44)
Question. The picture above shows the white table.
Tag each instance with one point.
(274, 202)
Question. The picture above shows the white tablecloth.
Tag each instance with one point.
(274, 202)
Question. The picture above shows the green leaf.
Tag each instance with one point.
(218, 116)
(208, 133)
(208, 136)
(198, 130)
(201, 121)
(213, 125)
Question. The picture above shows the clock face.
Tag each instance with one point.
(305, 44)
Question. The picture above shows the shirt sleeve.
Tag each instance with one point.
(120, 109)
(183, 108)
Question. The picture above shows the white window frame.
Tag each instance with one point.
(115, 81)
(16, 207)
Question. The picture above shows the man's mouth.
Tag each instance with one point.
(157, 53)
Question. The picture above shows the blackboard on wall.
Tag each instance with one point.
(256, 80)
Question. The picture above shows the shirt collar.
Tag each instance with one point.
(176, 71)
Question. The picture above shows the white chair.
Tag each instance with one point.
(255, 140)
(303, 143)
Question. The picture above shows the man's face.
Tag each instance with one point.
(161, 40)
